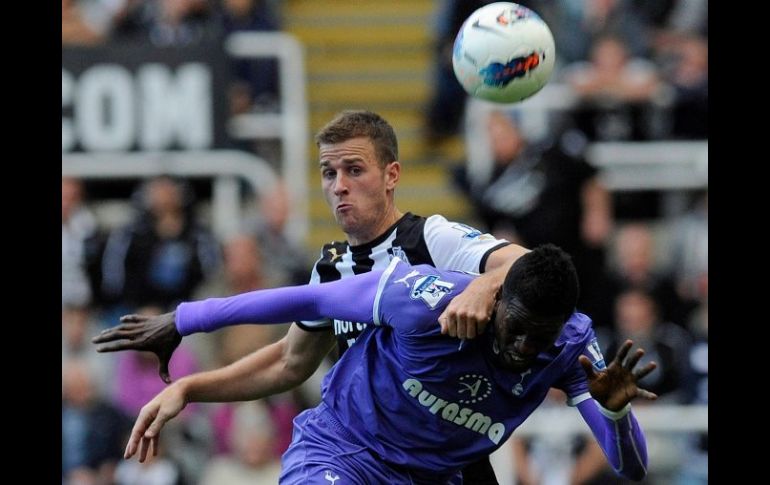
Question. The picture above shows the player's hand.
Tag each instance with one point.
(468, 313)
(152, 417)
(615, 386)
(156, 334)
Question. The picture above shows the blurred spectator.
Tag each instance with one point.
(77, 328)
(93, 431)
(690, 82)
(695, 458)
(283, 409)
(616, 93)
(164, 254)
(672, 20)
(242, 269)
(157, 470)
(78, 242)
(667, 344)
(87, 22)
(447, 104)
(253, 460)
(256, 81)
(285, 263)
(545, 193)
(635, 267)
(690, 248)
(577, 24)
(165, 22)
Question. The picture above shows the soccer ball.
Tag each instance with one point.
(504, 53)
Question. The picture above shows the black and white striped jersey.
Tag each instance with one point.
(414, 239)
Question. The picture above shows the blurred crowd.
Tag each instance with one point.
(166, 23)
(161, 257)
(639, 69)
(643, 277)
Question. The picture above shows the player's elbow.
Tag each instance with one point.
(295, 373)
(297, 368)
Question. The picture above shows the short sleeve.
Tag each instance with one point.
(457, 246)
(315, 325)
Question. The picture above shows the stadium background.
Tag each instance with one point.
(172, 87)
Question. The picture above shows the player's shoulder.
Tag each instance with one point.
(438, 220)
(578, 329)
(423, 275)
(412, 294)
(439, 224)
(410, 224)
(324, 267)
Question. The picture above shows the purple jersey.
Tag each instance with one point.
(434, 403)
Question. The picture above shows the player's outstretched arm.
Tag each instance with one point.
(162, 334)
(157, 334)
(275, 368)
(467, 314)
(609, 414)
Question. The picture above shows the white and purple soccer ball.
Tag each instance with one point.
(504, 53)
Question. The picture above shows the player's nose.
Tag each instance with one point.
(525, 347)
(340, 184)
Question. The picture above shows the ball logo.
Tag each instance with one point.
(499, 75)
(511, 15)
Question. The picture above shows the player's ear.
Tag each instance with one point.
(392, 174)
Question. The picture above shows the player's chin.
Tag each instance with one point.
(518, 367)
(514, 365)
(348, 222)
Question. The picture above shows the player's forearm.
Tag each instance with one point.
(620, 437)
(255, 376)
(275, 368)
(278, 305)
(500, 261)
(496, 269)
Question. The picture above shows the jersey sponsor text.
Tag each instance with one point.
(453, 412)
